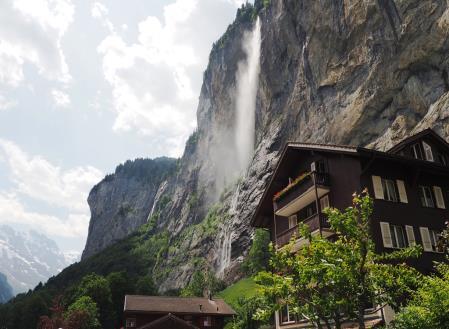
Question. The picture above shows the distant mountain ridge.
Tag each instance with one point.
(6, 292)
(27, 258)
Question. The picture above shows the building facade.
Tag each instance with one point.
(409, 184)
(141, 312)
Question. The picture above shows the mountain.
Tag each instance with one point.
(27, 258)
(5, 289)
(360, 72)
(123, 201)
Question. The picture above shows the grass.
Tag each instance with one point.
(244, 288)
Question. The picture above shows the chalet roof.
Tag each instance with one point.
(168, 321)
(177, 305)
(412, 139)
(324, 147)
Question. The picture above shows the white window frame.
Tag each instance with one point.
(389, 188)
(396, 231)
(427, 151)
(288, 316)
(433, 234)
(425, 201)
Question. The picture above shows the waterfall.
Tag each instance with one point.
(247, 85)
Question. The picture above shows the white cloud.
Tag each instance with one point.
(60, 98)
(13, 212)
(100, 12)
(153, 88)
(6, 104)
(37, 178)
(31, 32)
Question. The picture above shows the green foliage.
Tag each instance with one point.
(97, 288)
(245, 309)
(332, 281)
(259, 254)
(145, 286)
(429, 307)
(202, 282)
(193, 200)
(83, 314)
(120, 285)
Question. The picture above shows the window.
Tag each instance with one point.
(131, 323)
(427, 151)
(207, 321)
(434, 237)
(286, 317)
(425, 194)
(393, 236)
(439, 199)
(324, 202)
(430, 239)
(397, 236)
(389, 188)
(417, 151)
(292, 221)
(307, 211)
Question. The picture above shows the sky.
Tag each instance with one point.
(86, 85)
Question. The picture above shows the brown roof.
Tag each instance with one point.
(190, 305)
(426, 132)
(169, 321)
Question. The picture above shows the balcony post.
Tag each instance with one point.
(317, 203)
(274, 225)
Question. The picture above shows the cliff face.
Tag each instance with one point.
(5, 289)
(362, 72)
(123, 201)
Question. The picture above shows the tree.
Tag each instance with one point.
(259, 254)
(202, 282)
(245, 309)
(120, 285)
(145, 286)
(334, 281)
(429, 307)
(97, 288)
(82, 314)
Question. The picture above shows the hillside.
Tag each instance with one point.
(5, 289)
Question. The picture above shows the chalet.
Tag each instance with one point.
(145, 312)
(409, 183)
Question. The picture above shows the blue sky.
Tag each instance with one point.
(85, 85)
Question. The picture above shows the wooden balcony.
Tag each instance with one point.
(315, 222)
(302, 194)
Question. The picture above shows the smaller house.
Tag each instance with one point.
(152, 312)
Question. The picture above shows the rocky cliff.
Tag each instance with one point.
(362, 72)
(123, 201)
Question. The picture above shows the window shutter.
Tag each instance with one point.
(401, 190)
(439, 197)
(428, 151)
(425, 237)
(386, 234)
(377, 185)
(410, 235)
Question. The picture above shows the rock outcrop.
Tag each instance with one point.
(123, 201)
(361, 72)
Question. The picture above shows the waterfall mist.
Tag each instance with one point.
(247, 85)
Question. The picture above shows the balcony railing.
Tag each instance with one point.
(314, 222)
(321, 179)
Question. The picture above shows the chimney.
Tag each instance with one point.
(201, 307)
